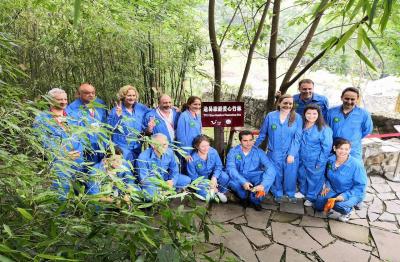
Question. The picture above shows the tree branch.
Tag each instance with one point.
(230, 23)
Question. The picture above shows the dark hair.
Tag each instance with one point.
(351, 89)
(190, 101)
(113, 151)
(305, 81)
(292, 115)
(198, 139)
(245, 133)
(320, 120)
(340, 141)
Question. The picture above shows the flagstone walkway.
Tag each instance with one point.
(292, 232)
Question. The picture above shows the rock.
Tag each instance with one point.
(377, 179)
(363, 246)
(373, 216)
(342, 252)
(284, 217)
(361, 222)
(293, 256)
(294, 237)
(386, 196)
(320, 234)
(297, 208)
(382, 188)
(273, 253)
(239, 220)
(226, 212)
(349, 232)
(257, 219)
(385, 225)
(308, 221)
(387, 243)
(269, 231)
(387, 217)
(256, 237)
(392, 207)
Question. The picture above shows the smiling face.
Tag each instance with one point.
(130, 98)
(195, 106)
(204, 147)
(311, 115)
(349, 100)
(306, 90)
(87, 93)
(286, 104)
(165, 103)
(342, 151)
(60, 101)
(247, 142)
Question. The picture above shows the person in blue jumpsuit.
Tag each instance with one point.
(156, 163)
(207, 164)
(163, 119)
(283, 128)
(91, 113)
(346, 180)
(189, 124)
(315, 148)
(126, 120)
(250, 170)
(55, 131)
(350, 121)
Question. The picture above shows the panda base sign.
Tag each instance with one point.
(222, 114)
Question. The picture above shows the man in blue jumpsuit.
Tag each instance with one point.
(91, 113)
(159, 163)
(350, 121)
(250, 170)
(162, 119)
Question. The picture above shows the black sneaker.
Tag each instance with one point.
(257, 207)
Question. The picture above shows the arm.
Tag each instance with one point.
(142, 168)
(114, 119)
(269, 172)
(263, 131)
(231, 167)
(191, 169)
(326, 146)
(359, 183)
(367, 125)
(218, 165)
(295, 144)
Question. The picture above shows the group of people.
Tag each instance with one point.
(313, 151)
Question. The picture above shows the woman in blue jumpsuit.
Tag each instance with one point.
(315, 148)
(207, 164)
(126, 119)
(283, 128)
(346, 180)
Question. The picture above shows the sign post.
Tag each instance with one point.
(222, 114)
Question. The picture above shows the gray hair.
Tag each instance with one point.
(53, 92)
(157, 135)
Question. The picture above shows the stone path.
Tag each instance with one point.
(292, 232)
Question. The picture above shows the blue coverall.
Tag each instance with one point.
(97, 179)
(317, 99)
(315, 148)
(211, 167)
(161, 125)
(60, 141)
(349, 180)
(127, 129)
(354, 127)
(150, 166)
(283, 140)
(80, 112)
(255, 167)
(188, 128)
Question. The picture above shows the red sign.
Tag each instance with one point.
(222, 114)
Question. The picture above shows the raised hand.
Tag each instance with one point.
(151, 124)
(118, 108)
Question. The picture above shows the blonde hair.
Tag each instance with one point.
(124, 90)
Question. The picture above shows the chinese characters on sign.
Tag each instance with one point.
(222, 114)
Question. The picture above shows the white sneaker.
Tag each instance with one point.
(345, 218)
(298, 195)
(222, 197)
(308, 203)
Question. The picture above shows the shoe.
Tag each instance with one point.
(344, 218)
(257, 207)
(298, 195)
(333, 214)
(308, 203)
(293, 200)
(222, 197)
(359, 206)
(278, 200)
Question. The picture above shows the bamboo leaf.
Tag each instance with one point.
(146, 237)
(365, 60)
(53, 257)
(346, 37)
(8, 230)
(5, 259)
(349, 5)
(373, 11)
(25, 214)
(77, 10)
(387, 6)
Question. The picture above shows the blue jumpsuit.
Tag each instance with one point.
(151, 167)
(255, 168)
(161, 125)
(317, 99)
(349, 180)
(283, 140)
(98, 182)
(127, 129)
(59, 141)
(315, 148)
(188, 128)
(211, 167)
(80, 112)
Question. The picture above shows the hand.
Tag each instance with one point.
(74, 154)
(258, 188)
(188, 158)
(339, 198)
(247, 186)
(170, 183)
(278, 93)
(325, 191)
(118, 108)
(290, 159)
(213, 183)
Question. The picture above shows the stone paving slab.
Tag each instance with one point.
(256, 237)
(225, 212)
(226, 256)
(392, 207)
(297, 208)
(293, 256)
(321, 235)
(294, 237)
(343, 252)
(363, 246)
(284, 217)
(361, 222)
(239, 220)
(385, 225)
(273, 253)
(373, 216)
(257, 219)
(387, 217)
(388, 244)
(377, 180)
(376, 206)
(386, 196)
(349, 232)
(308, 221)
(382, 188)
